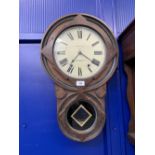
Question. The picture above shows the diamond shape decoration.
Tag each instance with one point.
(81, 115)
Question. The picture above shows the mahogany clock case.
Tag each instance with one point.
(90, 97)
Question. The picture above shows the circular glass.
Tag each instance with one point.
(79, 52)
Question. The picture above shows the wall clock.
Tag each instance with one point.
(80, 53)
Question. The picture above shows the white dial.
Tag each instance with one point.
(79, 52)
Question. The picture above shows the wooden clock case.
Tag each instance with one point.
(94, 89)
(127, 42)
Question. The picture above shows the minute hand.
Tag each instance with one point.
(75, 57)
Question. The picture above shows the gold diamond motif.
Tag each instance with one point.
(81, 122)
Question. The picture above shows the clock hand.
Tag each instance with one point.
(76, 57)
(95, 62)
(86, 56)
(70, 69)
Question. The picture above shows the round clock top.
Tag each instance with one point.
(79, 52)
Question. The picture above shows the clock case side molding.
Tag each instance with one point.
(94, 90)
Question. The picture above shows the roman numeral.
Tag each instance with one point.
(88, 36)
(79, 71)
(95, 43)
(70, 36)
(79, 34)
(97, 52)
(95, 62)
(70, 69)
(89, 68)
(64, 62)
(61, 52)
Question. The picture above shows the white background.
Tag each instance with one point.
(145, 77)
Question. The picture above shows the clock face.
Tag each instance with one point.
(80, 52)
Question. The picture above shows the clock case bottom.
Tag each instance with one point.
(66, 99)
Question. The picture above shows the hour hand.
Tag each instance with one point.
(85, 56)
(93, 61)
